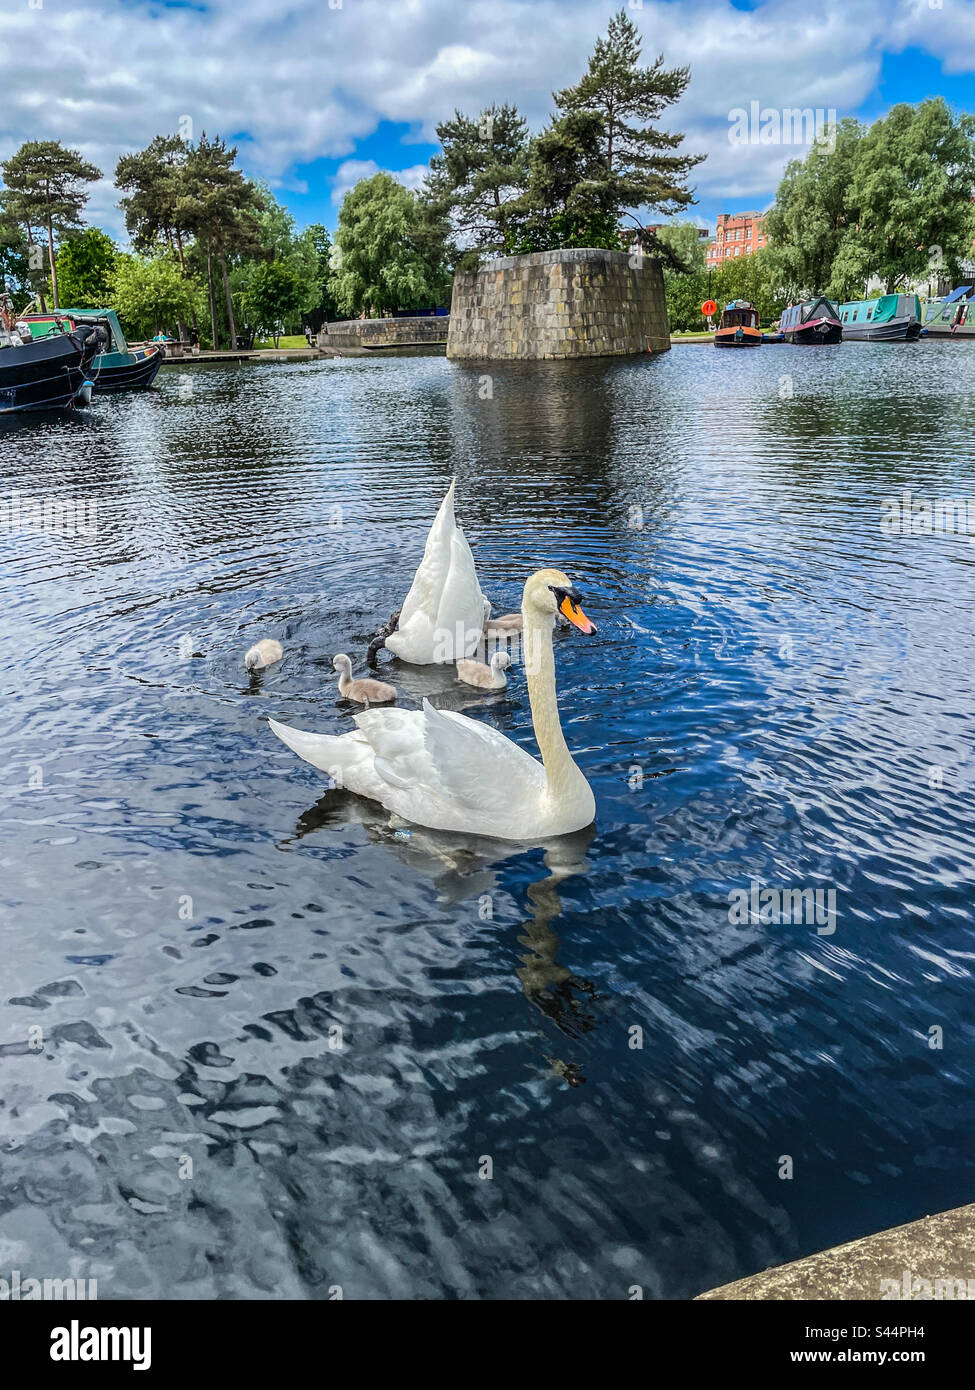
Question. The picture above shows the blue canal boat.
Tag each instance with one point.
(117, 367)
(891, 318)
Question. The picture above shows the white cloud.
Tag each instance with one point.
(348, 174)
(295, 83)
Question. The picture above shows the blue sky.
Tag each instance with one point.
(319, 93)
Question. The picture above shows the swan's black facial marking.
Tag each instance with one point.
(568, 601)
(571, 593)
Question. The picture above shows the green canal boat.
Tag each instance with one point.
(117, 367)
(891, 318)
(951, 317)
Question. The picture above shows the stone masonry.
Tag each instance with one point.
(559, 304)
(382, 333)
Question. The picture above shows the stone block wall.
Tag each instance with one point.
(559, 304)
(380, 333)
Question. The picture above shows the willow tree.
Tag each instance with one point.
(46, 186)
(385, 256)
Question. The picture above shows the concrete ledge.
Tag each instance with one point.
(933, 1258)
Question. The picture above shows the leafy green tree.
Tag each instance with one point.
(684, 240)
(638, 170)
(911, 195)
(275, 297)
(85, 265)
(46, 186)
(324, 307)
(221, 209)
(280, 244)
(566, 202)
(754, 278)
(150, 295)
(382, 262)
(477, 180)
(153, 182)
(24, 281)
(813, 214)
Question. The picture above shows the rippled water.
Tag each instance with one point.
(188, 919)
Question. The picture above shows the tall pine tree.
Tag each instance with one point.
(638, 170)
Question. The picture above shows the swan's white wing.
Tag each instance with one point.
(431, 574)
(461, 609)
(444, 759)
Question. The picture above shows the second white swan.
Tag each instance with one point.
(442, 614)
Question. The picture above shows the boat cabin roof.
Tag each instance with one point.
(888, 306)
(42, 324)
(807, 309)
(739, 313)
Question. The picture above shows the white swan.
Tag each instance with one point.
(442, 615)
(446, 771)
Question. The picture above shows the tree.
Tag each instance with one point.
(23, 279)
(813, 215)
(567, 202)
(479, 176)
(278, 243)
(221, 208)
(382, 262)
(684, 240)
(275, 297)
(150, 295)
(325, 307)
(630, 98)
(46, 187)
(85, 265)
(911, 196)
(754, 278)
(153, 180)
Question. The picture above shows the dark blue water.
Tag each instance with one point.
(256, 1042)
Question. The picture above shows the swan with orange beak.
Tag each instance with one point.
(450, 772)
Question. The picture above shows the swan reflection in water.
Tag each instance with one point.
(463, 867)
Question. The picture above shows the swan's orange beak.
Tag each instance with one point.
(576, 616)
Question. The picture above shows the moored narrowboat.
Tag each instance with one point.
(117, 367)
(814, 322)
(891, 318)
(951, 317)
(738, 326)
(51, 375)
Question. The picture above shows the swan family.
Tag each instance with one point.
(441, 769)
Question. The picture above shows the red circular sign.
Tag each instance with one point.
(709, 308)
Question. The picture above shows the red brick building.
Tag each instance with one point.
(739, 234)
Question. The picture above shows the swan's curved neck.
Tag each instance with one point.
(561, 772)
